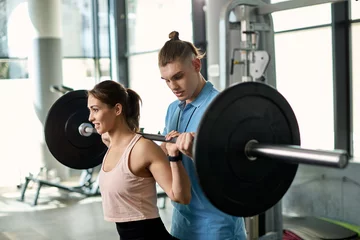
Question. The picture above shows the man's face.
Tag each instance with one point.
(182, 78)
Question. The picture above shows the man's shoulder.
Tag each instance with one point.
(172, 106)
(213, 93)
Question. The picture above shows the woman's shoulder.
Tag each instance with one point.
(147, 147)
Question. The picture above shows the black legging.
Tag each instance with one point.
(143, 230)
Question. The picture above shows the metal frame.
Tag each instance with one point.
(266, 40)
(269, 224)
(199, 30)
(292, 4)
(342, 76)
(96, 40)
(118, 41)
(87, 186)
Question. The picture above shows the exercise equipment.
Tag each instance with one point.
(62, 136)
(88, 186)
(308, 227)
(247, 53)
(246, 150)
(241, 149)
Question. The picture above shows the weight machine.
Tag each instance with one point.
(253, 59)
(87, 185)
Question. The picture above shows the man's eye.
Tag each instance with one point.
(178, 77)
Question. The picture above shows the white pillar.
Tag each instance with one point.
(45, 68)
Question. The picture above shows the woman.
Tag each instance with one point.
(133, 165)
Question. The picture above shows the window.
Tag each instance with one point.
(79, 73)
(145, 80)
(355, 9)
(77, 28)
(151, 21)
(21, 144)
(13, 69)
(105, 69)
(3, 29)
(355, 32)
(103, 16)
(149, 24)
(17, 43)
(305, 78)
(301, 17)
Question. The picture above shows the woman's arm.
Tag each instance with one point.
(172, 177)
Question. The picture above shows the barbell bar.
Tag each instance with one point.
(246, 148)
(86, 129)
(253, 149)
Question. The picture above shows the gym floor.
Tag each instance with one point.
(59, 215)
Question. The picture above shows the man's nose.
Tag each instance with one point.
(173, 85)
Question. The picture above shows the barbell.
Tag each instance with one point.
(246, 149)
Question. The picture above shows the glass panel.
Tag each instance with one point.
(355, 9)
(3, 30)
(78, 73)
(301, 17)
(151, 21)
(355, 32)
(152, 89)
(22, 133)
(305, 78)
(77, 28)
(13, 69)
(104, 69)
(17, 40)
(103, 16)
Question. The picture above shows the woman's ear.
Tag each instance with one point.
(118, 109)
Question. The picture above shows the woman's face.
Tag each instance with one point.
(102, 115)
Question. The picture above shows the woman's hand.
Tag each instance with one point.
(172, 148)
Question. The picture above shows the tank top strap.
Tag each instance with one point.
(129, 148)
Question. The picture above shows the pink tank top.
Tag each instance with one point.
(126, 197)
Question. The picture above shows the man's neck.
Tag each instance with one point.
(197, 91)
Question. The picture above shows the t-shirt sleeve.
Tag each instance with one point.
(166, 130)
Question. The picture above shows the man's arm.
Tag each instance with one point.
(185, 143)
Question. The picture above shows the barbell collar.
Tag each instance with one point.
(86, 129)
(295, 154)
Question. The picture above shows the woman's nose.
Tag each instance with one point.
(91, 118)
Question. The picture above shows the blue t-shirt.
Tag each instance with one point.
(199, 220)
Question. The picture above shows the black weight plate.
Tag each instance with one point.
(62, 135)
(240, 113)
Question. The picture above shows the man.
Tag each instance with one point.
(180, 65)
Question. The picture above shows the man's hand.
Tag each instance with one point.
(105, 139)
(184, 143)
